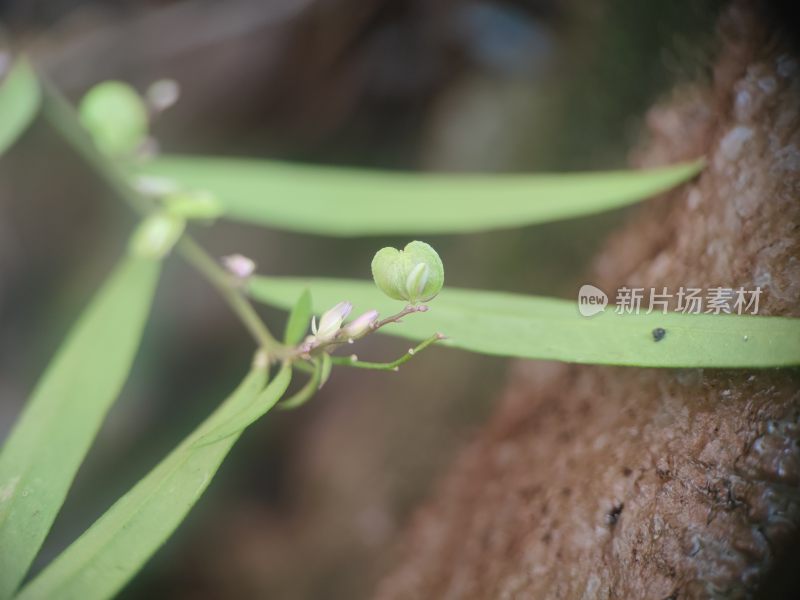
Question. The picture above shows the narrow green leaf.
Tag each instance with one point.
(308, 390)
(552, 329)
(238, 422)
(299, 318)
(325, 371)
(346, 201)
(99, 563)
(19, 102)
(65, 411)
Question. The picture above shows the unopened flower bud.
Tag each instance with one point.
(239, 266)
(331, 322)
(162, 94)
(414, 274)
(361, 325)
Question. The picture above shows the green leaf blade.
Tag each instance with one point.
(299, 318)
(116, 546)
(20, 97)
(341, 201)
(533, 327)
(236, 423)
(49, 441)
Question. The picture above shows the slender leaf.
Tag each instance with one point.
(62, 417)
(299, 318)
(99, 563)
(310, 388)
(345, 201)
(325, 371)
(552, 329)
(19, 102)
(236, 423)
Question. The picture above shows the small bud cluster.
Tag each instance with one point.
(331, 329)
(414, 274)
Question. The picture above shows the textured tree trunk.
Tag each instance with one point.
(595, 482)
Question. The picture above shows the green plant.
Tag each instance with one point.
(65, 411)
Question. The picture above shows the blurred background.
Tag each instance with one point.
(309, 504)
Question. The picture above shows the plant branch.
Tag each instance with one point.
(306, 351)
(352, 361)
(397, 318)
(60, 114)
(227, 287)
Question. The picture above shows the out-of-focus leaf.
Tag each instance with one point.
(346, 201)
(552, 329)
(47, 445)
(99, 563)
(19, 102)
(299, 318)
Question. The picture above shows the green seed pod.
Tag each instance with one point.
(115, 116)
(156, 235)
(414, 274)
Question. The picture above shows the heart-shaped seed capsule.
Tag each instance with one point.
(414, 274)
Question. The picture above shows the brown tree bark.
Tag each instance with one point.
(595, 482)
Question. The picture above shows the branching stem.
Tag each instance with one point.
(350, 361)
(228, 288)
(61, 116)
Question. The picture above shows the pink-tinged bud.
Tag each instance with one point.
(361, 325)
(239, 266)
(331, 321)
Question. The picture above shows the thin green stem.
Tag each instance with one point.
(227, 287)
(351, 361)
(302, 365)
(60, 114)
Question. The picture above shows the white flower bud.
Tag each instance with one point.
(162, 94)
(331, 321)
(239, 266)
(361, 325)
